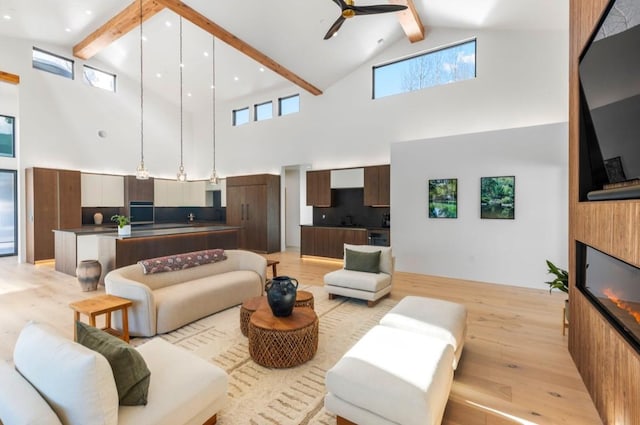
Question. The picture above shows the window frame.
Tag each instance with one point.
(13, 137)
(15, 211)
(473, 40)
(234, 115)
(281, 99)
(71, 61)
(86, 80)
(256, 115)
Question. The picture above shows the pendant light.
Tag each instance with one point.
(181, 176)
(214, 176)
(141, 172)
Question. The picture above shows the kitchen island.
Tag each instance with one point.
(114, 251)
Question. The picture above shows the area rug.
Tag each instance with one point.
(263, 396)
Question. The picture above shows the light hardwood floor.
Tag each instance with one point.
(515, 368)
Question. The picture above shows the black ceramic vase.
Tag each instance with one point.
(281, 294)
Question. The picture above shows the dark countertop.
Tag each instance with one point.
(170, 231)
(110, 229)
(347, 227)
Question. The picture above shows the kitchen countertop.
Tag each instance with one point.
(149, 229)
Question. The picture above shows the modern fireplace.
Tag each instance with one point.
(613, 286)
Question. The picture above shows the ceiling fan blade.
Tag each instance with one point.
(334, 28)
(341, 4)
(380, 8)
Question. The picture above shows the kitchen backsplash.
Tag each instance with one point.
(349, 210)
(162, 214)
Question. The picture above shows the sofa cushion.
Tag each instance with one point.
(75, 381)
(386, 258)
(20, 403)
(185, 389)
(175, 262)
(129, 369)
(368, 262)
(362, 281)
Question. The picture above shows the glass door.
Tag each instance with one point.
(8, 213)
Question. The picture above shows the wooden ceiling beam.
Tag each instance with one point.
(9, 78)
(217, 31)
(116, 27)
(410, 20)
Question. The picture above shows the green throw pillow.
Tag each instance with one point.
(362, 261)
(129, 369)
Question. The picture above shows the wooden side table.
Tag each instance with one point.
(281, 342)
(103, 304)
(303, 299)
(273, 264)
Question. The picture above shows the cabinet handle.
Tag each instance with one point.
(247, 211)
(241, 212)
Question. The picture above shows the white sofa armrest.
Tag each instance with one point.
(20, 403)
(248, 260)
(142, 314)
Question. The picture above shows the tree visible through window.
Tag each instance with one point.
(439, 67)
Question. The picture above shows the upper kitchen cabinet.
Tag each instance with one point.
(319, 188)
(52, 202)
(172, 193)
(101, 190)
(138, 190)
(377, 181)
(253, 204)
(221, 187)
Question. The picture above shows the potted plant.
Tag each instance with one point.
(124, 224)
(561, 283)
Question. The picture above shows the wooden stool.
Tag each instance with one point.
(304, 299)
(103, 304)
(273, 264)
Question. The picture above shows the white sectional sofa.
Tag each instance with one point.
(58, 381)
(165, 301)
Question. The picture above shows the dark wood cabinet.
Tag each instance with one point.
(319, 188)
(329, 241)
(377, 183)
(137, 190)
(52, 202)
(253, 204)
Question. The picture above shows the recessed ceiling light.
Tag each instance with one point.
(189, 94)
(261, 69)
(206, 54)
(381, 40)
(212, 87)
(88, 12)
(181, 65)
(158, 75)
(168, 23)
(6, 17)
(144, 38)
(67, 29)
(235, 78)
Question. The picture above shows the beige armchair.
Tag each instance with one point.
(364, 275)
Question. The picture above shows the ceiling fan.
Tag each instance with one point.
(349, 10)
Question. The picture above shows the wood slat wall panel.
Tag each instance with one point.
(609, 366)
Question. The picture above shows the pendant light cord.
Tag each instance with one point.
(213, 96)
(181, 119)
(141, 94)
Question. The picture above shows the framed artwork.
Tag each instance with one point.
(498, 197)
(7, 136)
(443, 198)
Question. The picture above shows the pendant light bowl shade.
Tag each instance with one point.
(141, 172)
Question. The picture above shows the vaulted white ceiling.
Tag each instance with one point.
(289, 32)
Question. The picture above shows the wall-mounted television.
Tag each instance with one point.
(609, 72)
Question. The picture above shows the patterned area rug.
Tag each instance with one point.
(263, 396)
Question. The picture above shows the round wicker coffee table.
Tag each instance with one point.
(281, 342)
(303, 299)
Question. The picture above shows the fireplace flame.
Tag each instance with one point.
(621, 304)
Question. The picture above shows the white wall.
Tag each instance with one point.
(500, 251)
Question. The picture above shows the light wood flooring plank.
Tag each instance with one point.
(515, 368)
